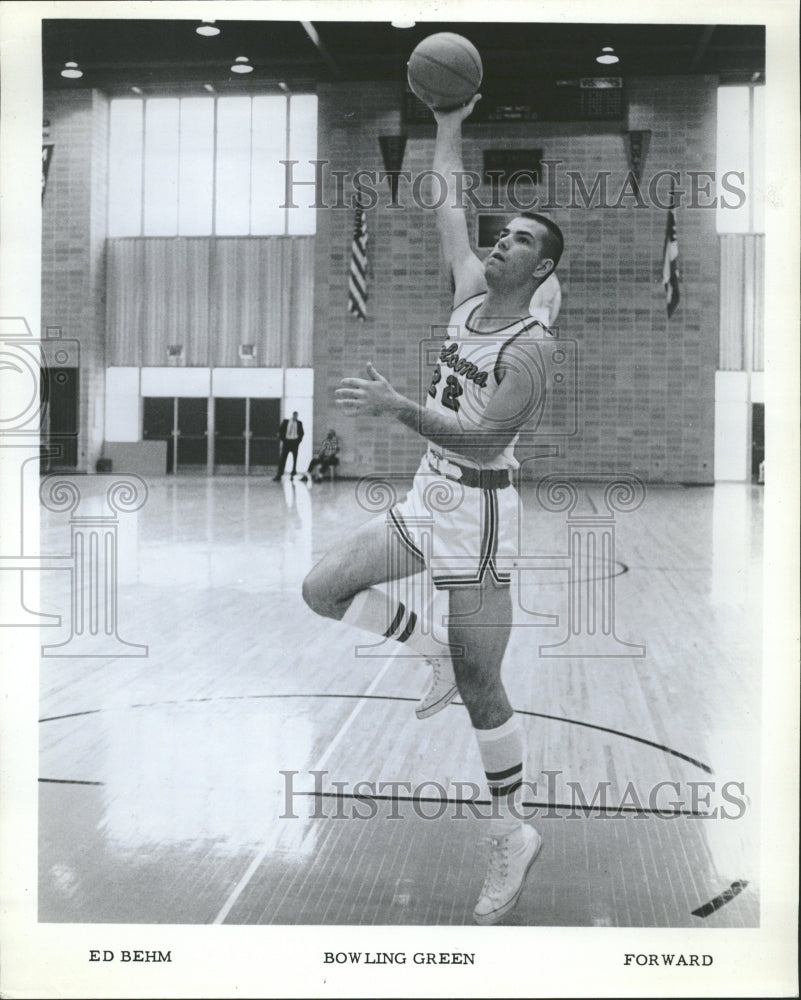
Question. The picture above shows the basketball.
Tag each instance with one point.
(445, 71)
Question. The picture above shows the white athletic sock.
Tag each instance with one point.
(501, 752)
(374, 611)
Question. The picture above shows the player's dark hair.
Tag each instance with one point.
(553, 242)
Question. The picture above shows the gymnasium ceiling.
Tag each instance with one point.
(157, 55)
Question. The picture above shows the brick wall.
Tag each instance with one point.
(646, 384)
(73, 242)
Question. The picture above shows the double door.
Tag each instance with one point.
(218, 434)
(246, 434)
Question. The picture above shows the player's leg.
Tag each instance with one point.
(483, 635)
(294, 450)
(281, 461)
(371, 555)
(343, 586)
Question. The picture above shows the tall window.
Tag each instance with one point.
(741, 150)
(201, 166)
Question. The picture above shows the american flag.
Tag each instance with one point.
(47, 156)
(670, 262)
(357, 279)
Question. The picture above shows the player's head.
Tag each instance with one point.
(526, 252)
(552, 241)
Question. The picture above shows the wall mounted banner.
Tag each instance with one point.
(636, 150)
(47, 156)
(392, 150)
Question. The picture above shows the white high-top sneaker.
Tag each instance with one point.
(510, 859)
(442, 689)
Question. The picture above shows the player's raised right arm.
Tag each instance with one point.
(466, 268)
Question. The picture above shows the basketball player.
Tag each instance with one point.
(481, 393)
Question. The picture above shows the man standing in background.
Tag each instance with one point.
(290, 435)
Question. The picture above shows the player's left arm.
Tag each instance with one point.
(513, 403)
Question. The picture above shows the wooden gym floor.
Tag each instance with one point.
(162, 792)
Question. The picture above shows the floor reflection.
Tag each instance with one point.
(162, 776)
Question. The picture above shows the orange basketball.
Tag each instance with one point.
(445, 70)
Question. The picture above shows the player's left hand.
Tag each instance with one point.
(373, 396)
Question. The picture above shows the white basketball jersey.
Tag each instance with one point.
(466, 375)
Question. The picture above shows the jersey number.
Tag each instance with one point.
(451, 391)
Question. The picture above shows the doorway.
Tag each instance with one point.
(59, 435)
(757, 441)
(183, 423)
(246, 434)
(243, 439)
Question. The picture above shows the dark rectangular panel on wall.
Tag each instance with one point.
(502, 164)
(60, 430)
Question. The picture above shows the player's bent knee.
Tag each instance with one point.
(312, 593)
(317, 594)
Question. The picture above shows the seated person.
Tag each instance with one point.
(325, 459)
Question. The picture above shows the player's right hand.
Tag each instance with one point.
(456, 114)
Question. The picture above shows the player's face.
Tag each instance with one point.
(517, 256)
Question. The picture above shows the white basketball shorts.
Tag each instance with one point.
(460, 532)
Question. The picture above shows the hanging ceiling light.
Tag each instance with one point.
(71, 71)
(402, 24)
(241, 65)
(607, 56)
(207, 28)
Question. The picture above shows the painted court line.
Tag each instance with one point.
(725, 897)
(254, 865)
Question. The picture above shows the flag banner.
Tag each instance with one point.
(670, 263)
(357, 279)
(47, 156)
(637, 150)
(392, 148)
